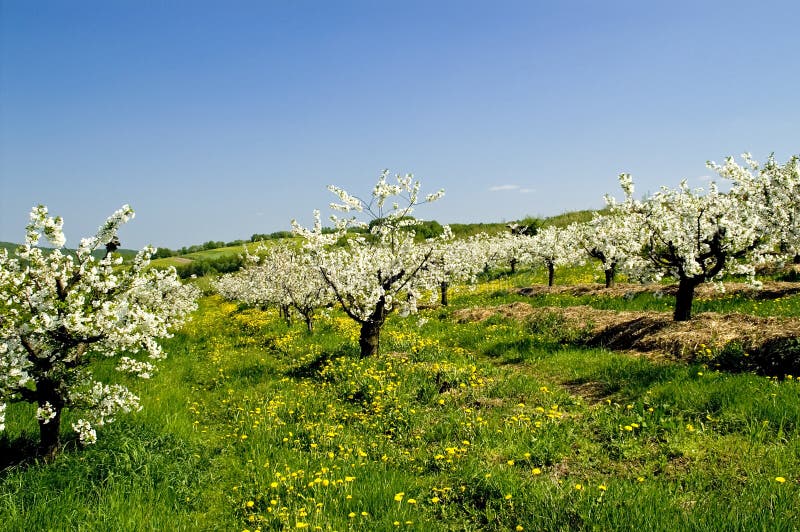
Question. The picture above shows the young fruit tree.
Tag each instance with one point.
(61, 311)
(455, 261)
(375, 274)
(555, 246)
(609, 239)
(695, 236)
(281, 276)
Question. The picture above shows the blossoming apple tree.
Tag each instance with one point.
(375, 274)
(695, 235)
(60, 312)
(554, 246)
(610, 240)
(281, 276)
(456, 261)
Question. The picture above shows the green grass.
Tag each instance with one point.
(252, 424)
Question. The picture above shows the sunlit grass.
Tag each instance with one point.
(252, 424)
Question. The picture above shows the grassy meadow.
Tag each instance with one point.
(501, 424)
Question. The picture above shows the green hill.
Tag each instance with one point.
(99, 253)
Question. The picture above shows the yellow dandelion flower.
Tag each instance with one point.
(519, 528)
(780, 479)
(508, 497)
(250, 504)
(399, 496)
(536, 471)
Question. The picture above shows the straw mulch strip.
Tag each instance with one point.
(654, 333)
(769, 290)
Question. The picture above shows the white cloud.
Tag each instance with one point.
(527, 190)
(499, 188)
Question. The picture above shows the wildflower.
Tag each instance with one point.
(351, 515)
(780, 480)
(602, 487)
(399, 496)
(579, 487)
(536, 471)
(412, 501)
(434, 500)
(249, 504)
(519, 528)
(508, 497)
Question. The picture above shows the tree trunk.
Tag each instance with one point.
(797, 259)
(285, 314)
(309, 319)
(683, 299)
(610, 275)
(551, 273)
(49, 430)
(443, 287)
(50, 436)
(513, 265)
(370, 339)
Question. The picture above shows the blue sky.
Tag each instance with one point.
(217, 120)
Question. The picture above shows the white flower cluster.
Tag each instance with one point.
(86, 434)
(45, 413)
(59, 310)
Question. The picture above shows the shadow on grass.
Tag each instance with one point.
(626, 334)
(312, 368)
(21, 451)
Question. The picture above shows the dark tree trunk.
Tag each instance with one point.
(285, 314)
(611, 273)
(797, 259)
(370, 339)
(50, 436)
(309, 319)
(551, 273)
(49, 430)
(443, 287)
(513, 265)
(684, 298)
